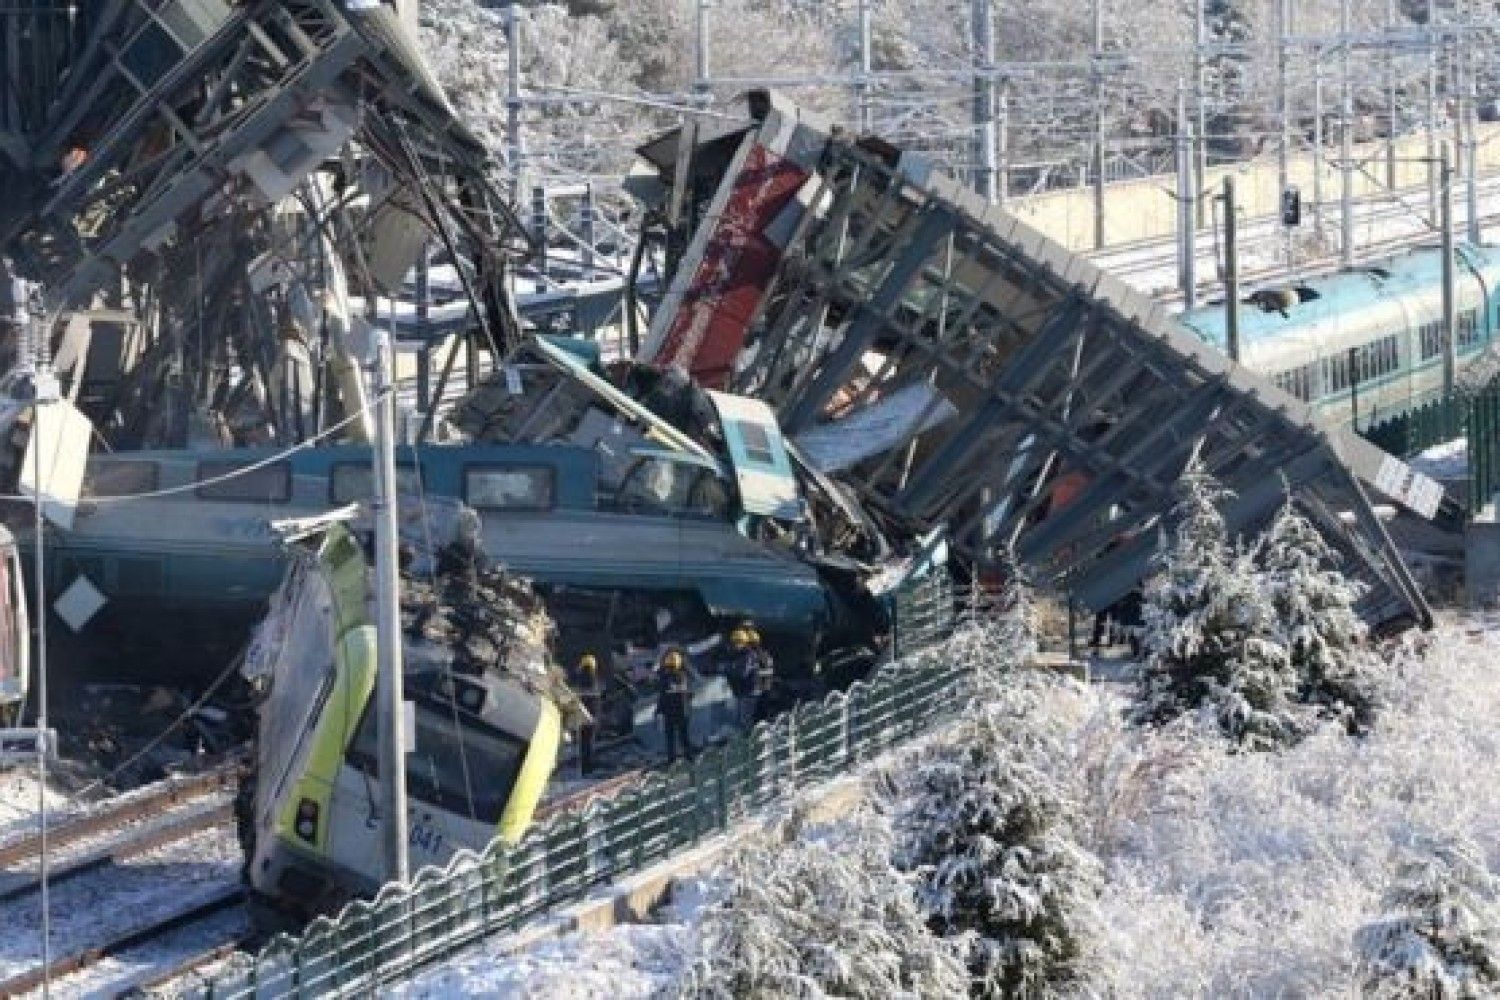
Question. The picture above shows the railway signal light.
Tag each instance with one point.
(1291, 207)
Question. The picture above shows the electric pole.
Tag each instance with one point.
(1346, 142)
(513, 94)
(1283, 115)
(390, 696)
(1200, 104)
(862, 85)
(1317, 192)
(1186, 205)
(1432, 104)
(984, 98)
(1231, 273)
(1393, 111)
(1098, 81)
(1450, 301)
(701, 89)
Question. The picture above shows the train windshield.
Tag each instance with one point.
(460, 764)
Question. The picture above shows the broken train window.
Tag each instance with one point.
(510, 487)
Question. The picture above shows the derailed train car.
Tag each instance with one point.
(621, 521)
(483, 744)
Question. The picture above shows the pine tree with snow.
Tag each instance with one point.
(811, 917)
(1442, 939)
(989, 836)
(998, 632)
(1208, 630)
(1316, 621)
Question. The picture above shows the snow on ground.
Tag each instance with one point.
(90, 909)
(1226, 874)
(1449, 460)
(18, 804)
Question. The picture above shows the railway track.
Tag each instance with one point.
(104, 850)
(195, 909)
(128, 810)
(1135, 258)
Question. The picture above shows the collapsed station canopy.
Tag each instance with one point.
(958, 368)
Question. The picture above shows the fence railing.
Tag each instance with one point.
(1482, 422)
(445, 910)
(1420, 428)
(1475, 416)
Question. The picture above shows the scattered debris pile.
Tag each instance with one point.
(473, 619)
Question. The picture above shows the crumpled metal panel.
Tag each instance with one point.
(1078, 401)
(144, 119)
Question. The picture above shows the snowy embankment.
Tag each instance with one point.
(1223, 873)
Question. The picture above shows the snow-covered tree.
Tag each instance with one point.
(1315, 618)
(1442, 938)
(811, 917)
(989, 835)
(1208, 630)
(997, 632)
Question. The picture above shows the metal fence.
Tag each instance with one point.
(1420, 428)
(1475, 416)
(1482, 422)
(477, 895)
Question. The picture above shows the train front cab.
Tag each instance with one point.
(479, 762)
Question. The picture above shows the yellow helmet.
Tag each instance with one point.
(754, 635)
(672, 660)
(588, 662)
(739, 638)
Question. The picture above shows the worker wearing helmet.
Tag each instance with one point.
(739, 670)
(674, 702)
(762, 676)
(589, 686)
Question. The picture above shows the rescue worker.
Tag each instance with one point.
(763, 678)
(739, 670)
(674, 703)
(589, 687)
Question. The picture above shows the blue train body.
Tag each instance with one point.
(1365, 345)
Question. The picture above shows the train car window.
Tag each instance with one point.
(510, 487)
(120, 479)
(460, 763)
(757, 442)
(1468, 328)
(663, 486)
(265, 484)
(354, 481)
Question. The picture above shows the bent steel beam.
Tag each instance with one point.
(1078, 401)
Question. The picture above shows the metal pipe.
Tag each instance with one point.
(390, 694)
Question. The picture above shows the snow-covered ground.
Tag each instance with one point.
(1226, 874)
(1449, 460)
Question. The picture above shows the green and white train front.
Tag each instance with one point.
(481, 748)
